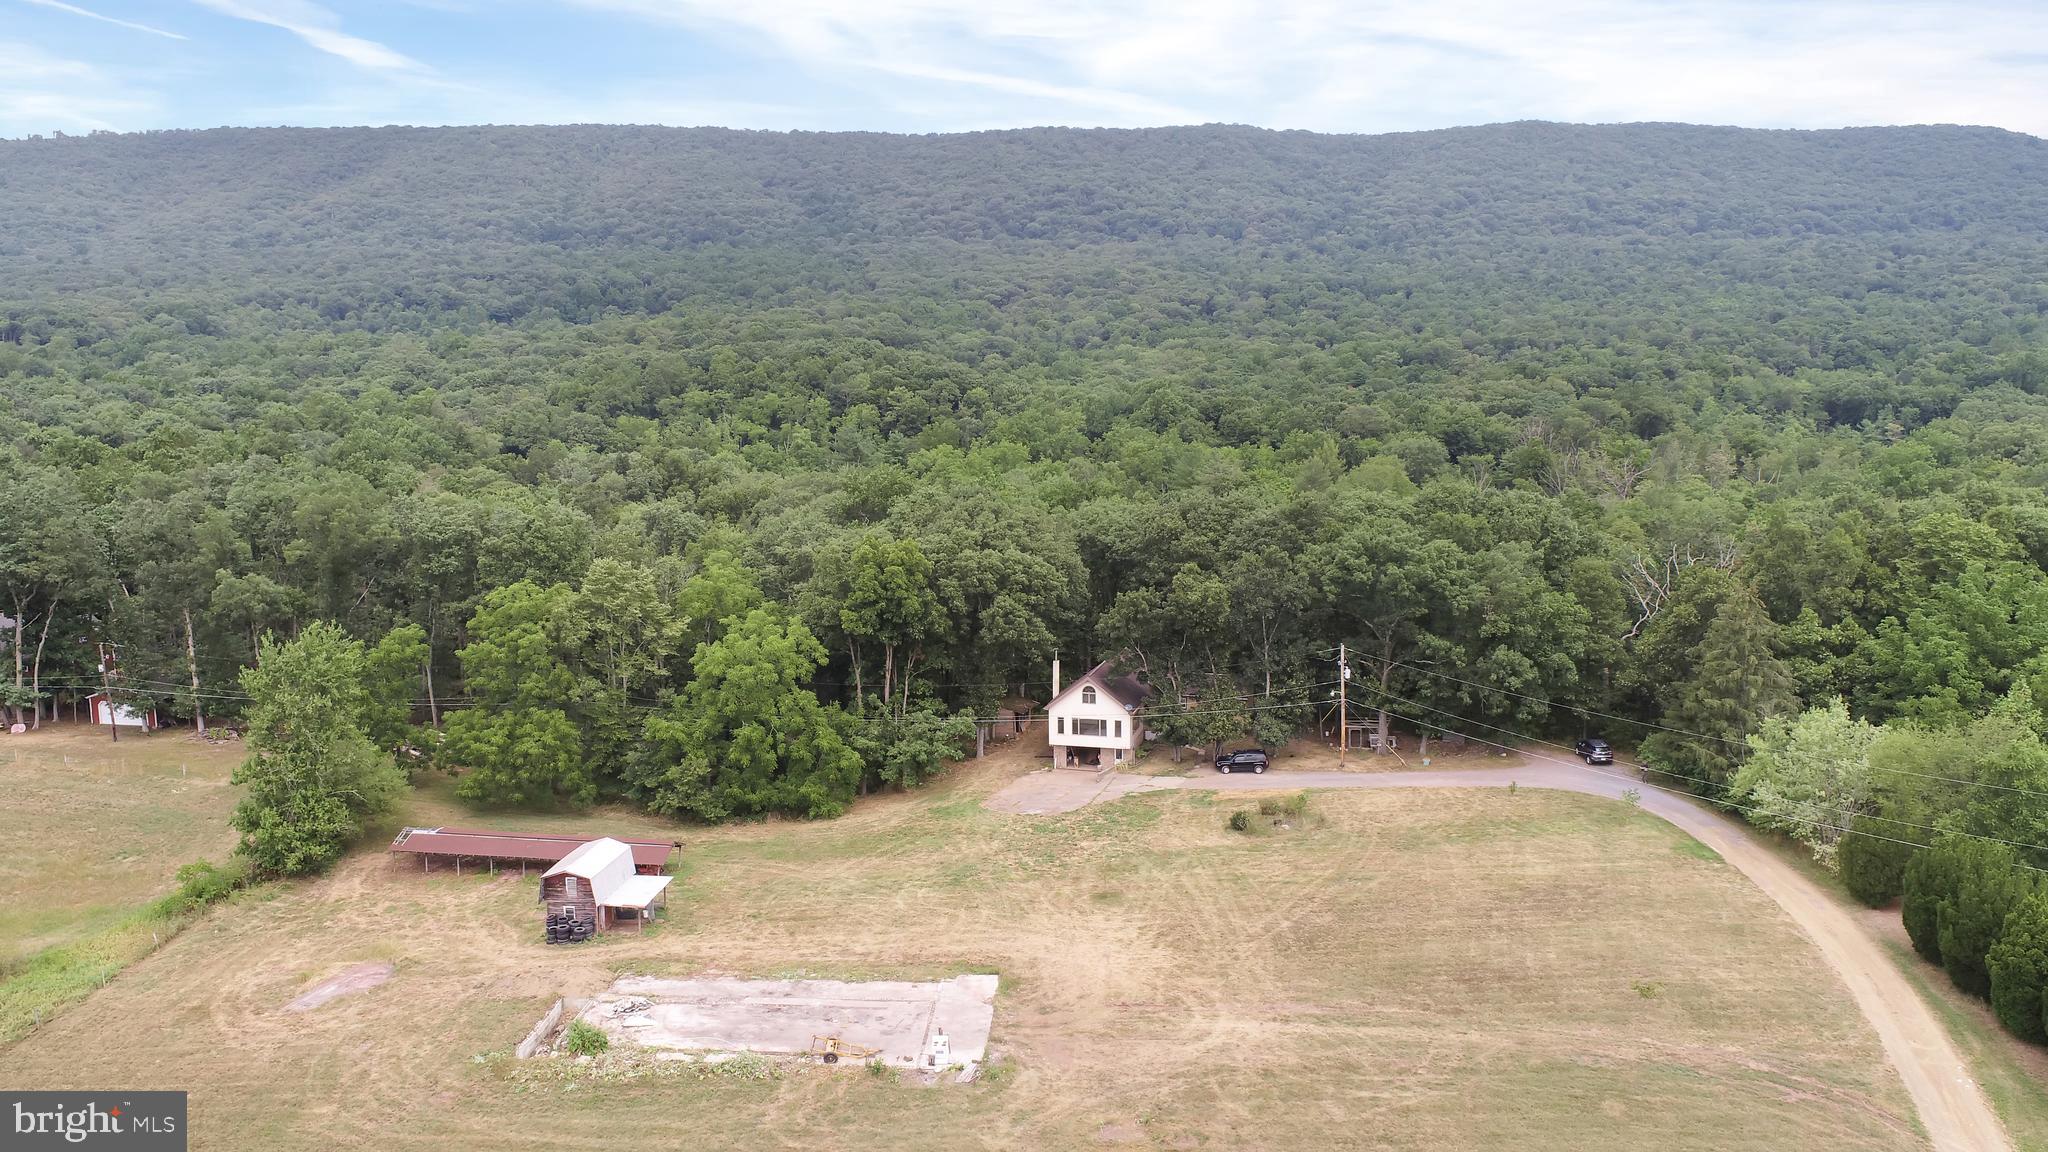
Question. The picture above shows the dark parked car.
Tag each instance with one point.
(1249, 760)
(1594, 750)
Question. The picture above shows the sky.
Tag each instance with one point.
(959, 65)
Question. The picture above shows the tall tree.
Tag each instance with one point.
(517, 741)
(747, 735)
(312, 778)
(1737, 685)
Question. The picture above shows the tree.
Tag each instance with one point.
(904, 747)
(747, 735)
(721, 590)
(623, 632)
(391, 674)
(518, 742)
(2018, 965)
(1989, 885)
(312, 778)
(1931, 878)
(1197, 722)
(1737, 684)
(47, 552)
(889, 601)
(1872, 858)
(1808, 776)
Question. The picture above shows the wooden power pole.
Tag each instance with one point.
(107, 693)
(1343, 702)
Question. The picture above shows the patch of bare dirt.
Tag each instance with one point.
(354, 978)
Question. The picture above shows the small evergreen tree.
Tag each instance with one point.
(1738, 683)
(1931, 878)
(1873, 859)
(2018, 964)
(1989, 886)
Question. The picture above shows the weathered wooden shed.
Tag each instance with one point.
(597, 883)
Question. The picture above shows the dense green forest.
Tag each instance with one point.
(741, 472)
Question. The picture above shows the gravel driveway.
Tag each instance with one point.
(1951, 1107)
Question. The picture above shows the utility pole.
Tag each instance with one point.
(1343, 702)
(107, 692)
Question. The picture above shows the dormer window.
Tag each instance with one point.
(1088, 695)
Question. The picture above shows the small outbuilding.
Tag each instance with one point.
(105, 712)
(597, 884)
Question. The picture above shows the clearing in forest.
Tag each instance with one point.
(96, 828)
(1410, 970)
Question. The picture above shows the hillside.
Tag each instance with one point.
(1546, 421)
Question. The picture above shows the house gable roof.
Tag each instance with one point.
(1128, 691)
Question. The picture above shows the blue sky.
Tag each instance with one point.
(954, 65)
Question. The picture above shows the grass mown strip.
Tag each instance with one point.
(52, 980)
(2015, 1091)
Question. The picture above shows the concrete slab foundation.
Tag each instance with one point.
(934, 1024)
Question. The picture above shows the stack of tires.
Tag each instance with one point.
(564, 928)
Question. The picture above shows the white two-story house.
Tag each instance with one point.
(1096, 721)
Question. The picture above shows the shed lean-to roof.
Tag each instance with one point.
(637, 891)
(1128, 691)
(519, 846)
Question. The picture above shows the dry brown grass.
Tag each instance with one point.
(95, 828)
(1422, 970)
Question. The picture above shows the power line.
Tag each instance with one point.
(1726, 803)
(1707, 736)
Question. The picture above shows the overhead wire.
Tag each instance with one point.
(1706, 736)
(1725, 803)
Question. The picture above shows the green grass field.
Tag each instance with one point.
(97, 829)
(1414, 970)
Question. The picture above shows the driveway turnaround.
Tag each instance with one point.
(1951, 1107)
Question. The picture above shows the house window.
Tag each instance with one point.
(569, 886)
(1119, 755)
(1088, 695)
(1063, 725)
(1119, 728)
(1086, 727)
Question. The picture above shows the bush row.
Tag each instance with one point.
(1972, 907)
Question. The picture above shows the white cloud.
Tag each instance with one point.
(40, 92)
(75, 10)
(1377, 65)
(317, 27)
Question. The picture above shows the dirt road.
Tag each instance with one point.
(1952, 1108)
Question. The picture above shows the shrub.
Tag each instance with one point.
(1990, 887)
(1873, 862)
(1294, 807)
(1240, 821)
(585, 1039)
(201, 883)
(1930, 878)
(2019, 971)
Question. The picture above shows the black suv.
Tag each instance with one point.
(1249, 760)
(1594, 750)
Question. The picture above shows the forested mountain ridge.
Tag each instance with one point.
(1687, 425)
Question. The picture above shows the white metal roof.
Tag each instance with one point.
(606, 863)
(636, 892)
